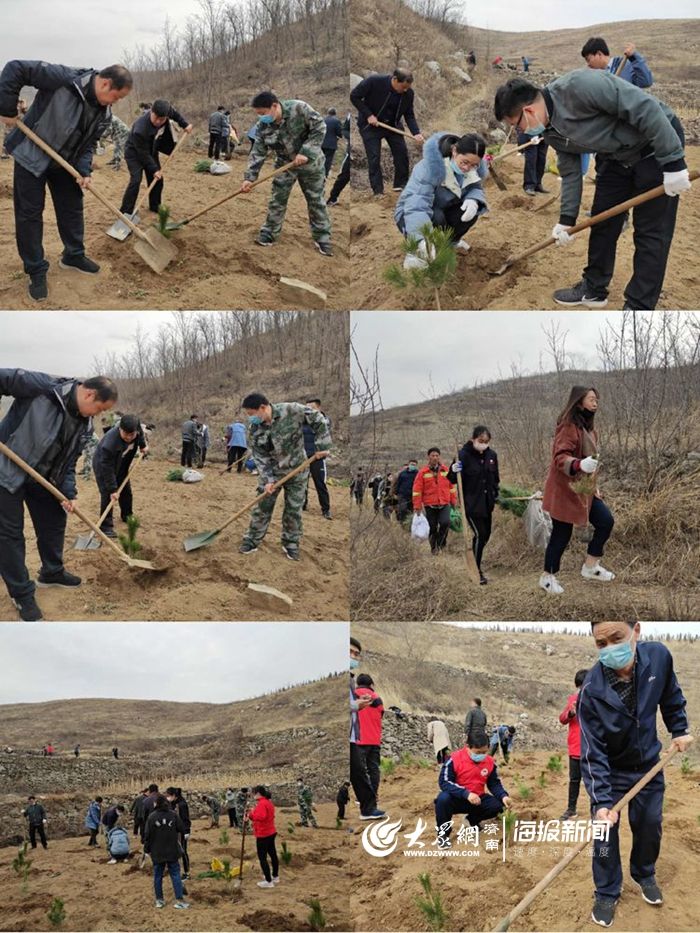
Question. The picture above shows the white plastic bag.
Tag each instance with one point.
(219, 168)
(538, 524)
(192, 476)
(420, 529)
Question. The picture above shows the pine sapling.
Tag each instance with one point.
(431, 904)
(163, 218)
(554, 764)
(433, 253)
(56, 912)
(317, 919)
(338, 823)
(22, 865)
(223, 837)
(286, 853)
(290, 828)
(128, 541)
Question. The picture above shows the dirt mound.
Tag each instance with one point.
(207, 584)
(218, 265)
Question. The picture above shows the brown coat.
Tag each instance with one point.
(570, 443)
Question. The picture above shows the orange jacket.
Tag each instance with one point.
(433, 488)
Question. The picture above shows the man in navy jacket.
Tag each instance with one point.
(617, 715)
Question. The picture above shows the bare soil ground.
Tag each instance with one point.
(218, 265)
(99, 896)
(207, 584)
(477, 892)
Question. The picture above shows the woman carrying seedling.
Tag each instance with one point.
(571, 494)
(262, 817)
(444, 191)
(478, 465)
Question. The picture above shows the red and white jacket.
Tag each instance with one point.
(461, 776)
(370, 719)
(432, 487)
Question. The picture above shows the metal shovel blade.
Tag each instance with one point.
(176, 224)
(156, 250)
(119, 230)
(87, 543)
(506, 265)
(141, 564)
(497, 178)
(200, 540)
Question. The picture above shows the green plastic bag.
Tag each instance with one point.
(455, 519)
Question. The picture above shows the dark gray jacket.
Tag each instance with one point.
(189, 430)
(35, 424)
(593, 111)
(113, 457)
(216, 122)
(476, 719)
(65, 113)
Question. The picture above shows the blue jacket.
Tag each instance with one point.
(310, 437)
(426, 191)
(118, 841)
(334, 132)
(612, 739)
(404, 484)
(636, 70)
(94, 815)
(501, 735)
(35, 423)
(238, 435)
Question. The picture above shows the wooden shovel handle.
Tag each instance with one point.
(155, 181)
(278, 485)
(504, 155)
(57, 494)
(227, 197)
(623, 62)
(395, 129)
(113, 502)
(230, 466)
(38, 141)
(599, 218)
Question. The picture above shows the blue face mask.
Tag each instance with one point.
(455, 168)
(255, 419)
(617, 656)
(266, 118)
(477, 758)
(354, 664)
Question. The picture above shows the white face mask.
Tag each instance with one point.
(479, 446)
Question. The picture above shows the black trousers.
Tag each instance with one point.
(49, 521)
(442, 755)
(184, 854)
(574, 782)
(318, 473)
(236, 453)
(33, 830)
(203, 455)
(232, 818)
(266, 848)
(329, 155)
(359, 778)
(653, 222)
(372, 138)
(450, 217)
(602, 520)
(371, 755)
(403, 508)
(214, 145)
(481, 528)
(439, 520)
(131, 195)
(92, 841)
(535, 161)
(342, 179)
(29, 200)
(341, 811)
(187, 453)
(126, 505)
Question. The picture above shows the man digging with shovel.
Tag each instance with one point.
(276, 440)
(111, 462)
(639, 144)
(47, 425)
(71, 111)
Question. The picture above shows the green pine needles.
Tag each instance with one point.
(435, 249)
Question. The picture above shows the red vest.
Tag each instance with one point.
(472, 774)
(370, 719)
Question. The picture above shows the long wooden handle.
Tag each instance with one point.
(230, 466)
(560, 866)
(623, 62)
(599, 218)
(155, 181)
(472, 569)
(38, 141)
(504, 155)
(245, 821)
(395, 129)
(260, 181)
(278, 485)
(113, 502)
(57, 494)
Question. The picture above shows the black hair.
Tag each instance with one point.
(511, 729)
(262, 790)
(477, 700)
(98, 800)
(513, 96)
(192, 417)
(227, 112)
(433, 450)
(346, 783)
(105, 390)
(580, 676)
(254, 401)
(630, 622)
(355, 643)
(130, 423)
(31, 797)
(174, 791)
(264, 100)
(594, 45)
(316, 401)
(120, 76)
(477, 739)
(161, 107)
(480, 429)
(364, 680)
(221, 107)
(403, 75)
(413, 460)
(120, 807)
(244, 789)
(152, 788)
(162, 802)
(469, 143)
(332, 111)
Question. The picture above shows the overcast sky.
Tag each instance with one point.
(584, 628)
(542, 14)
(451, 350)
(195, 662)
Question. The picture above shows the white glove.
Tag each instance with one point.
(676, 182)
(561, 234)
(589, 465)
(470, 208)
(536, 140)
(419, 259)
(457, 466)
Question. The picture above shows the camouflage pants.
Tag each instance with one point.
(239, 816)
(86, 471)
(294, 494)
(312, 180)
(306, 814)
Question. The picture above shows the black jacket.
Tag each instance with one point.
(35, 814)
(404, 484)
(161, 842)
(181, 807)
(374, 95)
(65, 113)
(343, 795)
(113, 457)
(110, 817)
(480, 480)
(334, 132)
(145, 139)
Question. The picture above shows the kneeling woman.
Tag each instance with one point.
(444, 190)
(262, 816)
(571, 495)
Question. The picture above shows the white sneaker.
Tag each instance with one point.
(265, 884)
(598, 572)
(462, 247)
(275, 879)
(112, 861)
(550, 583)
